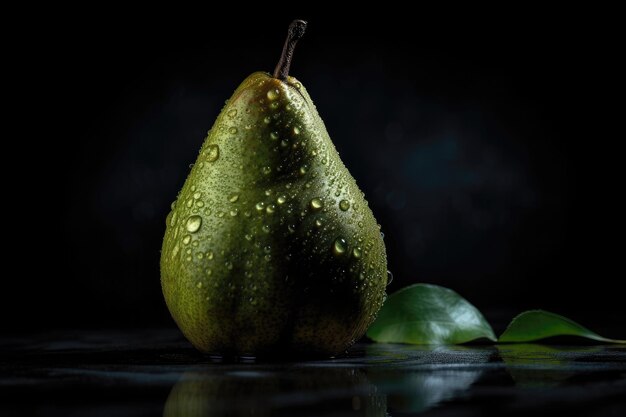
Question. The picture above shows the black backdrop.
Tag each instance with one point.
(468, 135)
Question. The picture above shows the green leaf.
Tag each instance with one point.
(424, 314)
(539, 324)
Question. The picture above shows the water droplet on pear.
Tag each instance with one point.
(193, 223)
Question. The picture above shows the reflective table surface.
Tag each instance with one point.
(156, 372)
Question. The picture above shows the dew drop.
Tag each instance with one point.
(234, 212)
(274, 105)
(281, 199)
(266, 228)
(200, 203)
(340, 246)
(209, 255)
(229, 265)
(344, 205)
(193, 223)
(303, 169)
(212, 153)
(297, 85)
(187, 239)
(356, 252)
(316, 204)
(296, 130)
(260, 206)
(319, 223)
(271, 208)
(232, 113)
(284, 143)
(291, 228)
(389, 277)
(233, 198)
(266, 170)
(274, 135)
(173, 219)
(200, 255)
(197, 195)
(175, 251)
(273, 94)
(232, 130)
(267, 120)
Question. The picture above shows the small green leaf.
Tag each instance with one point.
(424, 314)
(539, 324)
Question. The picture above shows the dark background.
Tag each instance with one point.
(477, 140)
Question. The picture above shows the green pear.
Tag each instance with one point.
(271, 246)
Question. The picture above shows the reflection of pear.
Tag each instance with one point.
(198, 394)
(301, 391)
(534, 366)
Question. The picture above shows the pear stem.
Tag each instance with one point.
(296, 30)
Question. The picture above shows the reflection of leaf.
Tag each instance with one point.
(538, 324)
(534, 366)
(428, 314)
(417, 391)
(418, 382)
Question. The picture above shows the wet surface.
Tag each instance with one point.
(158, 373)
